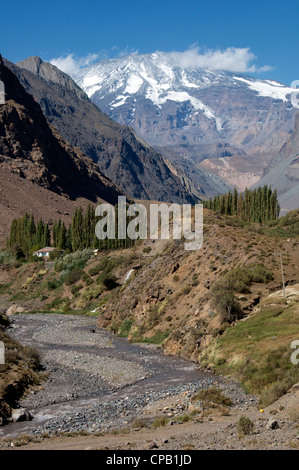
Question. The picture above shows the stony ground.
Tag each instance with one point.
(114, 392)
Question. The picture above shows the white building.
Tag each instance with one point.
(43, 252)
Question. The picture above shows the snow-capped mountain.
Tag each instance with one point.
(189, 109)
(228, 125)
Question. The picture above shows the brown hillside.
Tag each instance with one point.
(19, 195)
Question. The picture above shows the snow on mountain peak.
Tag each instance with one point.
(269, 88)
(169, 103)
(158, 78)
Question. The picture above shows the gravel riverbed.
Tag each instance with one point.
(98, 382)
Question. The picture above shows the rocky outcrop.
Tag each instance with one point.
(20, 414)
(51, 73)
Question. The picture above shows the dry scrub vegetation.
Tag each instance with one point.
(211, 305)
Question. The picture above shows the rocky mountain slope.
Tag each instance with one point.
(39, 170)
(221, 123)
(283, 172)
(19, 195)
(35, 151)
(132, 164)
(188, 107)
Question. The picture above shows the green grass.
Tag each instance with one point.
(257, 351)
(160, 422)
(125, 328)
(157, 338)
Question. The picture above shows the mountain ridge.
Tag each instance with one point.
(129, 161)
(214, 122)
(27, 140)
(193, 97)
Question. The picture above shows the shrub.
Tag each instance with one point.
(55, 254)
(225, 303)
(259, 274)
(237, 280)
(184, 418)
(56, 302)
(95, 269)
(8, 259)
(214, 395)
(88, 281)
(108, 263)
(108, 281)
(33, 356)
(12, 357)
(125, 327)
(86, 278)
(245, 426)
(53, 284)
(275, 391)
(76, 288)
(73, 260)
(240, 278)
(72, 276)
(160, 422)
(18, 252)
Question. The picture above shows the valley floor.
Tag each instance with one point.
(131, 389)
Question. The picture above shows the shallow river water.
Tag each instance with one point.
(96, 380)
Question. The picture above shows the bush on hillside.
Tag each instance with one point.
(245, 426)
(108, 281)
(72, 276)
(238, 280)
(8, 259)
(73, 260)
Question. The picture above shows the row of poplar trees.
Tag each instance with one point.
(257, 205)
(27, 236)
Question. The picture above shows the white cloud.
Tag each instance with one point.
(231, 59)
(123, 52)
(72, 64)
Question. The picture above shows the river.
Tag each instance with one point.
(96, 381)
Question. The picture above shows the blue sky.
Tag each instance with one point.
(267, 31)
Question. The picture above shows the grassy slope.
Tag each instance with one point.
(258, 350)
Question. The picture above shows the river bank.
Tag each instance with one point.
(96, 381)
(101, 384)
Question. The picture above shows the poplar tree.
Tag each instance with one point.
(258, 205)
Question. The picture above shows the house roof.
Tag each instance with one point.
(46, 249)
